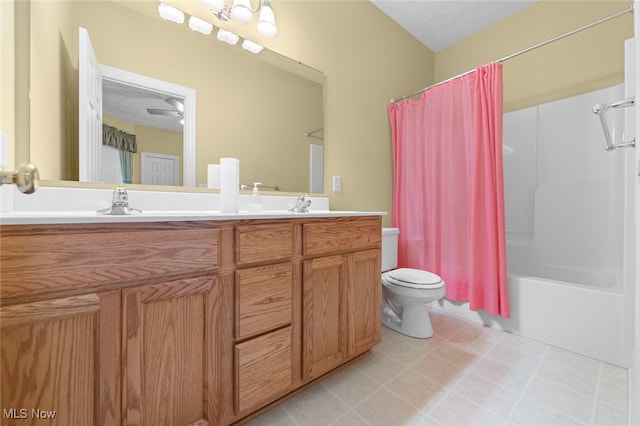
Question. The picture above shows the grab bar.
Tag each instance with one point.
(601, 109)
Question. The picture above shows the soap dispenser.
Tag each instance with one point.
(255, 205)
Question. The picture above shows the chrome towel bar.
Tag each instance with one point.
(601, 109)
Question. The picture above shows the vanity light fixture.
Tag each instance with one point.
(197, 24)
(170, 13)
(252, 47)
(227, 36)
(241, 12)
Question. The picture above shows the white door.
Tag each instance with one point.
(90, 110)
(159, 169)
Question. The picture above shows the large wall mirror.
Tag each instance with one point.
(264, 109)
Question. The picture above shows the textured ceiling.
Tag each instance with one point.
(130, 103)
(441, 23)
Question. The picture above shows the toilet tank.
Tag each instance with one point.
(389, 248)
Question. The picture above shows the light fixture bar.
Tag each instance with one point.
(241, 11)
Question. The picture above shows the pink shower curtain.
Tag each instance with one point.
(448, 195)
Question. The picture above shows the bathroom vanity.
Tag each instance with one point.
(183, 322)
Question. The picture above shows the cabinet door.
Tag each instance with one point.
(170, 353)
(364, 310)
(60, 361)
(324, 315)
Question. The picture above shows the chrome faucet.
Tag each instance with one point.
(302, 205)
(119, 204)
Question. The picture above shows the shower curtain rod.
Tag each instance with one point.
(528, 49)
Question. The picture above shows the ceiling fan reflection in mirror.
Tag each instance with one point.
(177, 111)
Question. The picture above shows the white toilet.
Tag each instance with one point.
(406, 291)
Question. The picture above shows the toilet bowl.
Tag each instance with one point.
(406, 292)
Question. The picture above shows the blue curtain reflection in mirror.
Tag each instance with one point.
(126, 145)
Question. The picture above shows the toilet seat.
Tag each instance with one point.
(413, 278)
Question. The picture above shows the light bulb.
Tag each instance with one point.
(267, 21)
(170, 13)
(241, 11)
(227, 36)
(251, 46)
(215, 5)
(197, 24)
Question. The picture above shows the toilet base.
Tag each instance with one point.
(415, 322)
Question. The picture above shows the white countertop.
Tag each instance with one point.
(51, 218)
(54, 205)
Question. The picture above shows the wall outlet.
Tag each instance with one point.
(337, 184)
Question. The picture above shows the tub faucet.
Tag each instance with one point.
(302, 205)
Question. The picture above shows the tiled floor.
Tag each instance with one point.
(465, 375)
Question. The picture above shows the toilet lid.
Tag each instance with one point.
(414, 278)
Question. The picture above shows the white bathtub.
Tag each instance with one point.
(584, 319)
(565, 216)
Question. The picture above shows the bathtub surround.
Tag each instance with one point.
(448, 196)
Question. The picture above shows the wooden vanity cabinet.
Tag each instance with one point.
(265, 289)
(170, 353)
(60, 361)
(180, 323)
(109, 324)
(341, 293)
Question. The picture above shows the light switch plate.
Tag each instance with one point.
(337, 184)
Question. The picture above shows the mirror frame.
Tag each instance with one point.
(189, 130)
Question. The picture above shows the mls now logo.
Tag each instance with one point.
(23, 413)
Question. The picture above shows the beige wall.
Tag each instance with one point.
(368, 59)
(379, 61)
(363, 69)
(583, 62)
(7, 78)
(245, 108)
(53, 145)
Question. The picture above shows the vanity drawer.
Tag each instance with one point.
(263, 299)
(45, 259)
(260, 243)
(348, 234)
(263, 369)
